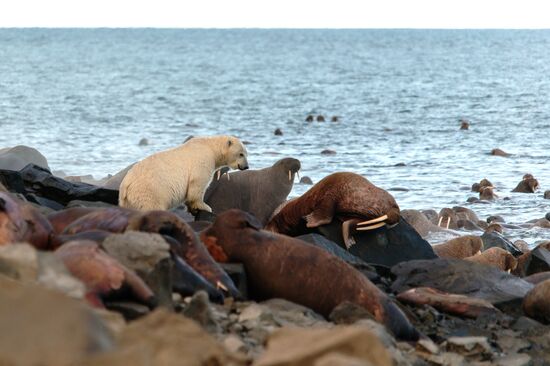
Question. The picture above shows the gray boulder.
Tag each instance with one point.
(18, 157)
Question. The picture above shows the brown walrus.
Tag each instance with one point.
(496, 257)
(101, 273)
(21, 222)
(527, 185)
(61, 219)
(347, 196)
(256, 191)
(536, 304)
(184, 245)
(459, 248)
(487, 194)
(289, 268)
(476, 187)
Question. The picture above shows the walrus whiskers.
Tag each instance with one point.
(373, 221)
(372, 227)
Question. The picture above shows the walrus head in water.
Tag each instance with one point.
(527, 185)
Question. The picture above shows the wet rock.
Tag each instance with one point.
(328, 152)
(143, 142)
(349, 313)
(385, 246)
(495, 239)
(149, 256)
(306, 180)
(333, 248)
(499, 152)
(278, 132)
(547, 195)
(538, 260)
(306, 346)
(167, 339)
(44, 327)
(460, 277)
(17, 157)
(38, 185)
(450, 303)
(536, 303)
(200, 311)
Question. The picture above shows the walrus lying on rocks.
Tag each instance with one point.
(256, 191)
(459, 248)
(285, 267)
(349, 197)
(496, 257)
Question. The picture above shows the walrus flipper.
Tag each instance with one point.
(321, 215)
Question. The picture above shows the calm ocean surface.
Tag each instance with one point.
(85, 98)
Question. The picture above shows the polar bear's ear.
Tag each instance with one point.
(229, 143)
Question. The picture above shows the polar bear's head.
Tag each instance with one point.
(236, 154)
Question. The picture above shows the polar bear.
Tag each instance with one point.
(180, 175)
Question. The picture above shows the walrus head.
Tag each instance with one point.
(217, 238)
(288, 165)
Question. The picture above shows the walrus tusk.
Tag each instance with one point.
(448, 221)
(478, 252)
(220, 285)
(226, 173)
(373, 221)
(372, 227)
(219, 174)
(439, 222)
(298, 174)
(289, 175)
(509, 271)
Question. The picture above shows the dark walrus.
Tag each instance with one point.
(281, 266)
(256, 191)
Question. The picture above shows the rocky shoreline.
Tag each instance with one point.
(94, 308)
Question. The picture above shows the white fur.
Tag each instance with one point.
(180, 175)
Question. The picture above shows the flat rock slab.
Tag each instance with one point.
(460, 277)
(385, 246)
(495, 239)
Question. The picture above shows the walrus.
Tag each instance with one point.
(464, 125)
(496, 257)
(256, 191)
(536, 304)
(349, 197)
(101, 273)
(527, 185)
(21, 222)
(499, 152)
(61, 219)
(185, 244)
(289, 268)
(487, 194)
(476, 187)
(459, 248)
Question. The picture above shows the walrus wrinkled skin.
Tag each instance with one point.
(61, 219)
(185, 244)
(101, 273)
(21, 222)
(285, 267)
(496, 257)
(536, 303)
(459, 248)
(346, 196)
(256, 191)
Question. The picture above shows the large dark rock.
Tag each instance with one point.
(38, 185)
(460, 277)
(385, 246)
(538, 260)
(333, 248)
(17, 157)
(495, 239)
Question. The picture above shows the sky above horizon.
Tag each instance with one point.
(277, 13)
